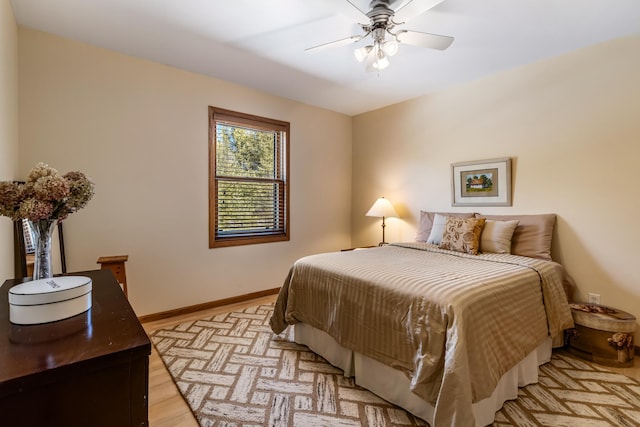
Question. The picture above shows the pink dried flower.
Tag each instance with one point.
(9, 198)
(52, 187)
(81, 190)
(45, 195)
(35, 210)
(41, 170)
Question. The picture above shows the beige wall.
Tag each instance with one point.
(140, 131)
(8, 125)
(571, 125)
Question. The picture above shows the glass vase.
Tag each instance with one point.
(42, 232)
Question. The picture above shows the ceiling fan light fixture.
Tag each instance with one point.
(390, 47)
(376, 60)
(362, 53)
(381, 62)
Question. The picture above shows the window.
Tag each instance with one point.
(248, 179)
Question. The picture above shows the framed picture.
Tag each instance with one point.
(481, 183)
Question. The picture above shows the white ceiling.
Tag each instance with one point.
(261, 43)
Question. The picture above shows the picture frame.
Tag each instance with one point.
(481, 183)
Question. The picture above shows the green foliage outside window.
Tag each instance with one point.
(246, 205)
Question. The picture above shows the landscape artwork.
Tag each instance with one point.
(479, 183)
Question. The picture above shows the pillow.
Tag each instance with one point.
(532, 237)
(462, 235)
(435, 237)
(426, 222)
(496, 236)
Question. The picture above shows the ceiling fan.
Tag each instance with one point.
(384, 17)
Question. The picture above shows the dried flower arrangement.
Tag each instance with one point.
(46, 195)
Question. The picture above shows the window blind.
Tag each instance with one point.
(249, 179)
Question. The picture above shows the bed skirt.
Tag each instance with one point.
(393, 386)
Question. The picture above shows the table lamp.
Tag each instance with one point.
(382, 208)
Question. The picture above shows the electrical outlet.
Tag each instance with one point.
(594, 298)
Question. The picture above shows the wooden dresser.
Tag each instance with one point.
(88, 370)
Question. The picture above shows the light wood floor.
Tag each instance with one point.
(167, 407)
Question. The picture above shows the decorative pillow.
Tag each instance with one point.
(462, 235)
(435, 237)
(496, 236)
(532, 236)
(426, 222)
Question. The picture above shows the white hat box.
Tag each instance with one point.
(49, 300)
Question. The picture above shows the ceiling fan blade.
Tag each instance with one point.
(417, 38)
(413, 8)
(335, 43)
(348, 9)
(353, 11)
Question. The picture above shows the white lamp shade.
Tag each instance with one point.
(390, 47)
(382, 208)
(361, 53)
(381, 62)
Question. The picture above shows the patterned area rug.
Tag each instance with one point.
(233, 371)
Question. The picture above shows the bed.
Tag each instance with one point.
(447, 334)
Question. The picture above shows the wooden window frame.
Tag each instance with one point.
(256, 122)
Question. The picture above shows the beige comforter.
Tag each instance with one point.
(453, 323)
